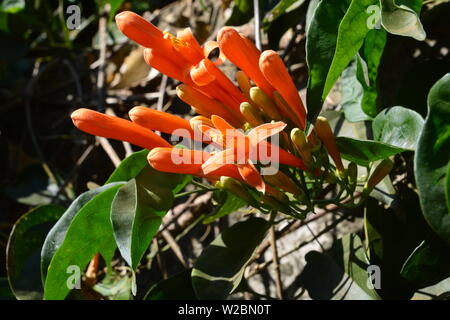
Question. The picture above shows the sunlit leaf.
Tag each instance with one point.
(321, 41)
(351, 33)
(402, 18)
(89, 233)
(363, 152)
(57, 234)
(129, 167)
(138, 208)
(398, 127)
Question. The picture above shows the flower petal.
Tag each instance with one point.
(218, 160)
(251, 175)
(264, 131)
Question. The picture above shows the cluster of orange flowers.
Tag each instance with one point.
(269, 107)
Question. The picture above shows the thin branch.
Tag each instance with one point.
(276, 263)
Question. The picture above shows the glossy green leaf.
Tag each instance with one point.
(432, 159)
(89, 233)
(138, 208)
(57, 234)
(130, 167)
(321, 41)
(371, 54)
(24, 251)
(402, 18)
(352, 31)
(220, 267)
(398, 127)
(363, 152)
(428, 264)
(231, 204)
(177, 287)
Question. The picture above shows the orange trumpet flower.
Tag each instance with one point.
(107, 126)
(274, 70)
(241, 149)
(243, 53)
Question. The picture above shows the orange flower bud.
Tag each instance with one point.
(107, 126)
(141, 31)
(251, 114)
(160, 121)
(204, 104)
(323, 131)
(263, 101)
(283, 182)
(243, 54)
(381, 171)
(299, 139)
(166, 65)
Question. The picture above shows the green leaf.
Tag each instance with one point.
(115, 5)
(284, 6)
(391, 235)
(428, 264)
(402, 18)
(352, 31)
(321, 41)
(326, 275)
(372, 52)
(138, 209)
(89, 233)
(231, 204)
(398, 127)
(115, 287)
(363, 152)
(242, 13)
(447, 187)
(352, 94)
(432, 159)
(356, 263)
(220, 267)
(12, 6)
(23, 252)
(438, 291)
(130, 167)
(57, 234)
(177, 287)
